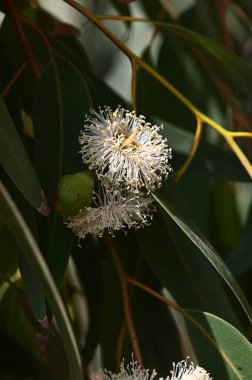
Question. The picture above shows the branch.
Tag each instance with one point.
(132, 57)
(31, 61)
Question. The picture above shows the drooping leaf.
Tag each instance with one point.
(173, 258)
(8, 260)
(220, 348)
(227, 64)
(88, 261)
(112, 316)
(225, 224)
(19, 357)
(162, 103)
(15, 161)
(240, 259)
(60, 107)
(205, 247)
(31, 252)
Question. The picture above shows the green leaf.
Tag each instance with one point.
(19, 357)
(173, 258)
(62, 101)
(112, 316)
(205, 247)
(8, 260)
(225, 224)
(163, 103)
(240, 259)
(32, 254)
(219, 347)
(15, 161)
(89, 261)
(227, 63)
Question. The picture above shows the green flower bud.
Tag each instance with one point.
(74, 192)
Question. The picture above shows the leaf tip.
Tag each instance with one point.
(44, 208)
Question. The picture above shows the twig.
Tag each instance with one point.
(134, 85)
(31, 61)
(155, 294)
(13, 79)
(196, 142)
(126, 302)
(183, 99)
(39, 32)
(221, 15)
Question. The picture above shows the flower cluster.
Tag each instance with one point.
(125, 150)
(130, 159)
(185, 371)
(113, 211)
(181, 371)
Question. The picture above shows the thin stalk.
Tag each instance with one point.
(196, 142)
(126, 302)
(14, 79)
(31, 61)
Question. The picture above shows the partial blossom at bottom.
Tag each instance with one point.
(131, 371)
(112, 211)
(181, 371)
(185, 371)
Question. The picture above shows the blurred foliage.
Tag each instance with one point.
(191, 72)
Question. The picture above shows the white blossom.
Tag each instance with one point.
(181, 371)
(185, 371)
(124, 150)
(113, 210)
(130, 372)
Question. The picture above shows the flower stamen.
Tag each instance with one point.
(131, 138)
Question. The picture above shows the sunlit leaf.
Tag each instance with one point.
(220, 348)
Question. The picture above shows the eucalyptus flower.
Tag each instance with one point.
(131, 371)
(112, 211)
(185, 371)
(125, 151)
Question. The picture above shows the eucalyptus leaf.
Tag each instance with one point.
(240, 258)
(15, 161)
(31, 252)
(220, 348)
(229, 65)
(207, 250)
(61, 103)
(173, 258)
(20, 357)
